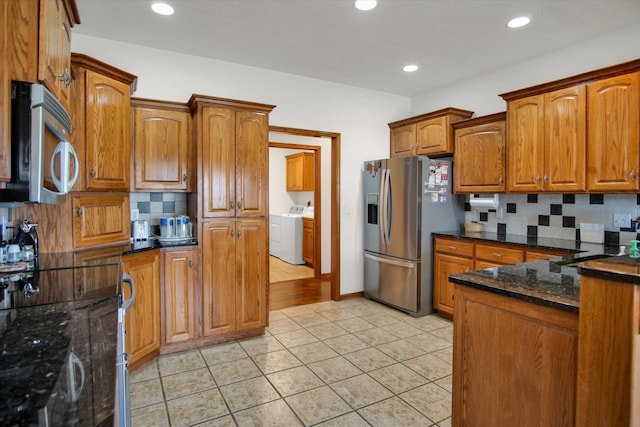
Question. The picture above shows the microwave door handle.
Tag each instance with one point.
(65, 151)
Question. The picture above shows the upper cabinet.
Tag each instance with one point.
(162, 152)
(102, 123)
(480, 154)
(428, 134)
(300, 171)
(614, 126)
(578, 134)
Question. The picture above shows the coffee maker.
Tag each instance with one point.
(27, 235)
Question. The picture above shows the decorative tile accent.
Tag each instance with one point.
(555, 209)
(511, 208)
(543, 219)
(532, 198)
(568, 199)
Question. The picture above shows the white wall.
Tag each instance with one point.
(480, 94)
(359, 115)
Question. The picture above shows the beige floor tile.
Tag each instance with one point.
(398, 378)
(294, 380)
(226, 421)
(260, 345)
(150, 416)
(272, 414)
(429, 367)
(401, 350)
(280, 326)
(296, 338)
(351, 419)
(445, 354)
(362, 310)
(445, 423)
(338, 314)
(196, 408)
(148, 371)
(307, 320)
(276, 361)
(430, 400)
(179, 362)
(430, 323)
(145, 393)
(321, 307)
(377, 336)
(300, 310)
(354, 324)
(380, 319)
(369, 359)
(327, 330)
(313, 352)
(346, 343)
(234, 371)
(361, 390)
(277, 315)
(335, 369)
(189, 382)
(402, 330)
(221, 353)
(446, 383)
(248, 393)
(393, 412)
(445, 333)
(429, 343)
(317, 405)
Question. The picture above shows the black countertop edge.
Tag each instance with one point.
(147, 245)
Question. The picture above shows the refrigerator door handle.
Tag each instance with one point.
(382, 207)
(398, 263)
(388, 205)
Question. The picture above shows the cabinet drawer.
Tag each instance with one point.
(499, 254)
(455, 246)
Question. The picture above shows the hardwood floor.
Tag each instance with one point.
(293, 285)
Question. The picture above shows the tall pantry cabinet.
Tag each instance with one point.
(232, 212)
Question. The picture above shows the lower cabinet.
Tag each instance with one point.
(452, 256)
(234, 275)
(100, 219)
(178, 294)
(142, 321)
(307, 241)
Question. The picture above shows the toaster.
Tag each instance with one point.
(140, 230)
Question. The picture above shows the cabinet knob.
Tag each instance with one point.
(232, 234)
(190, 263)
(239, 205)
(500, 180)
(239, 233)
(184, 177)
(545, 178)
(93, 173)
(80, 211)
(231, 204)
(65, 77)
(538, 178)
(633, 175)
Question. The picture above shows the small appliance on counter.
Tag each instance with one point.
(27, 239)
(140, 230)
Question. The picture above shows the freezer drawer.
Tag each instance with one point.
(393, 281)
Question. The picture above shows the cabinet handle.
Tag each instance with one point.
(231, 205)
(538, 178)
(184, 177)
(239, 233)
(633, 175)
(239, 205)
(65, 77)
(232, 234)
(545, 178)
(80, 211)
(500, 181)
(453, 248)
(190, 263)
(453, 297)
(495, 255)
(93, 173)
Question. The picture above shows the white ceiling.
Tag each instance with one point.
(451, 40)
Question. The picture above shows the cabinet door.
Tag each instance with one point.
(432, 136)
(525, 144)
(446, 265)
(5, 95)
(614, 133)
(107, 116)
(565, 145)
(307, 241)
(218, 162)
(89, 280)
(252, 276)
(142, 321)
(103, 337)
(161, 147)
(252, 130)
(55, 49)
(99, 220)
(294, 173)
(480, 159)
(178, 287)
(218, 277)
(403, 141)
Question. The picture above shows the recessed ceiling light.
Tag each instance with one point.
(410, 68)
(365, 4)
(518, 22)
(162, 9)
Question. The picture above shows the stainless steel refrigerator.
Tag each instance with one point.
(405, 200)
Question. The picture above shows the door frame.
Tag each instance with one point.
(335, 197)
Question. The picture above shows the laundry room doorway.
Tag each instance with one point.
(303, 220)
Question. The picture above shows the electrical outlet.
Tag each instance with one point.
(135, 213)
(622, 220)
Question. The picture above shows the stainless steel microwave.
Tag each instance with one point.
(44, 165)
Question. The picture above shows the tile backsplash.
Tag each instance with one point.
(152, 206)
(558, 215)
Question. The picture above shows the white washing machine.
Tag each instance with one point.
(285, 235)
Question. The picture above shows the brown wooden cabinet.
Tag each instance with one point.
(162, 152)
(542, 254)
(308, 241)
(547, 141)
(179, 266)
(480, 154)
(235, 276)
(493, 255)
(142, 321)
(514, 363)
(614, 133)
(102, 122)
(301, 171)
(427, 134)
(452, 256)
(90, 280)
(100, 219)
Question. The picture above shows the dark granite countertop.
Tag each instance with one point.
(147, 245)
(552, 283)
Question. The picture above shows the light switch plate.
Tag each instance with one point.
(622, 220)
(135, 213)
